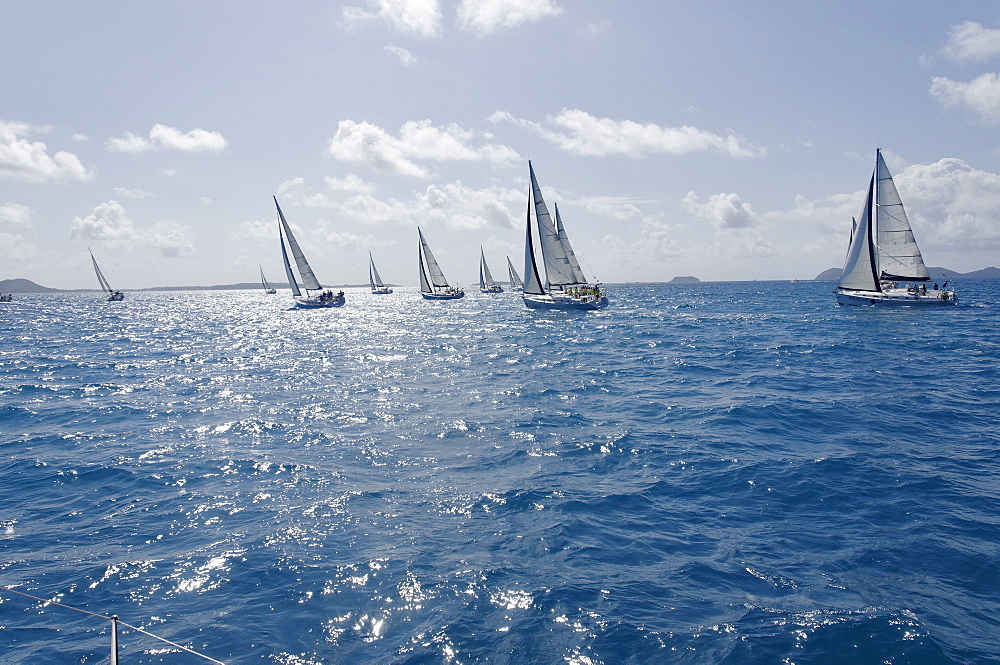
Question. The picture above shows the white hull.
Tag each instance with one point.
(381, 290)
(318, 301)
(444, 295)
(895, 298)
(563, 301)
(494, 289)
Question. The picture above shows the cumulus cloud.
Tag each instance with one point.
(108, 223)
(405, 58)
(349, 183)
(416, 17)
(971, 42)
(981, 95)
(15, 214)
(15, 247)
(162, 137)
(343, 240)
(29, 161)
(171, 239)
(484, 17)
(418, 140)
(655, 245)
(581, 133)
(612, 207)
(724, 211)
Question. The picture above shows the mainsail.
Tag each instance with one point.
(898, 255)
(558, 269)
(431, 276)
(309, 280)
(515, 279)
(100, 275)
(485, 278)
(373, 276)
(533, 284)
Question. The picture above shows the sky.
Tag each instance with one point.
(721, 140)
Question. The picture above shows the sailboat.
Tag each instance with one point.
(515, 280)
(883, 253)
(373, 277)
(486, 283)
(113, 295)
(565, 286)
(267, 287)
(433, 285)
(322, 297)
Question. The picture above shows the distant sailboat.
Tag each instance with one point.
(113, 295)
(373, 277)
(433, 285)
(883, 252)
(565, 285)
(515, 280)
(6, 297)
(486, 283)
(267, 287)
(324, 298)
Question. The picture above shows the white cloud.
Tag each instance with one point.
(418, 140)
(612, 207)
(580, 133)
(405, 58)
(488, 16)
(15, 247)
(124, 192)
(108, 223)
(417, 17)
(343, 240)
(171, 239)
(971, 42)
(655, 245)
(259, 229)
(349, 183)
(28, 161)
(15, 214)
(981, 95)
(162, 137)
(724, 211)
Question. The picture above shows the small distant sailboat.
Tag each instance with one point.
(883, 253)
(515, 280)
(6, 297)
(433, 285)
(486, 283)
(377, 286)
(267, 287)
(324, 297)
(565, 285)
(113, 295)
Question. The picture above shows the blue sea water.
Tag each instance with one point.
(701, 473)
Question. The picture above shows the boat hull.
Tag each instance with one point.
(316, 303)
(895, 298)
(381, 291)
(443, 296)
(495, 289)
(116, 296)
(564, 302)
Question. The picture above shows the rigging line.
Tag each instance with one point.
(112, 618)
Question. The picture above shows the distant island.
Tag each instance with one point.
(936, 273)
(685, 279)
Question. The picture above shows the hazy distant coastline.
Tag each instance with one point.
(829, 275)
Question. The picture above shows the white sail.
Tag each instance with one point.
(558, 271)
(898, 254)
(431, 276)
(288, 267)
(859, 268)
(532, 284)
(515, 279)
(574, 265)
(100, 276)
(485, 278)
(263, 281)
(373, 276)
(309, 280)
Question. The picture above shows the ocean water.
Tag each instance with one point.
(708, 473)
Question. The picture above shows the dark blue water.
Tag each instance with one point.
(713, 473)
